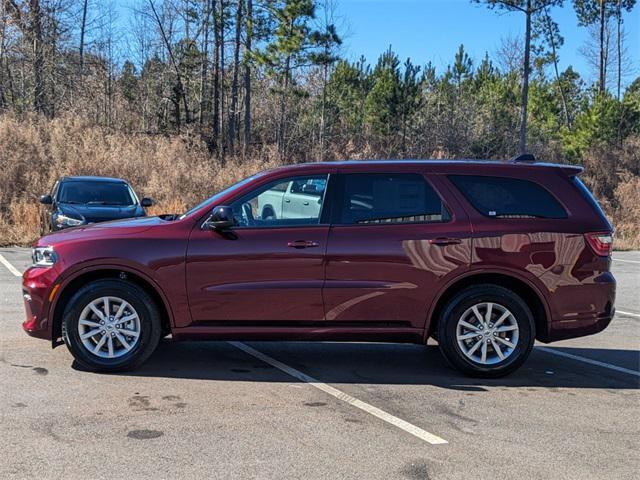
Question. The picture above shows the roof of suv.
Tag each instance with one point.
(465, 165)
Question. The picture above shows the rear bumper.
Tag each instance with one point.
(587, 309)
(37, 284)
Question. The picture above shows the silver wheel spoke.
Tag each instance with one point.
(107, 310)
(121, 310)
(504, 316)
(95, 310)
(90, 333)
(128, 318)
(89, 323)
(510, 328)
(496, 347)
(474, 348)
(124, 343)
(468, 325)
(487, 316)
(468, 336)
(129, 333)
(100, 344)
(483, 359)
(477, 314)
(110, 344)
(507, 343)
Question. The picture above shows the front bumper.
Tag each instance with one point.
(37, 287)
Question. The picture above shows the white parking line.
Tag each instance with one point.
(625, 261)
(631, 314)
(10, 267)
(340, 395)
(589, 361)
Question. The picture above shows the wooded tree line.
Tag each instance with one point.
(250, 76)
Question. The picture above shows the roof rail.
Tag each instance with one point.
(524, 158)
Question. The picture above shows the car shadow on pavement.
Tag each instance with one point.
(370, 363)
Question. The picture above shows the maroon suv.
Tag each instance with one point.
(485, 257)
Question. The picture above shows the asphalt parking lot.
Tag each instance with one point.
(322, 410)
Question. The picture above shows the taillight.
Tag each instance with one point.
(601, 243)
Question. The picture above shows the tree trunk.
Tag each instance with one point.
(247, 78)
(563, 97)
(619, 86)
(205, 64)
(181, 91)
(216, 84)
(221, 79)
(602, 85)
(280, 140)
(38, 56)
(233, 114)
(83, 27)
(525, 81)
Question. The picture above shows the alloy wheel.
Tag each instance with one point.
(487, 333)
(109, 327)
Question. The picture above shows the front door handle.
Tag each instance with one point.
(442, 241)
(302, 244)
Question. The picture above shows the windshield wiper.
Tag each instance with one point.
(74, 202)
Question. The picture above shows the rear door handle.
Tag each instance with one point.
(442, 241)
(302, 244)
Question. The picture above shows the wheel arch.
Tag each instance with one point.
(71, 285)
(523, 288)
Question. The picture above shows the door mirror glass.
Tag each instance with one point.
(221, 218)
(46, 200)
(146, 202)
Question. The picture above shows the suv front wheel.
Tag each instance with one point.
(111, 325)
(486, 331)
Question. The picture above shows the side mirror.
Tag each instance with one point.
(46, 200)
(146, 202)
(221, 218)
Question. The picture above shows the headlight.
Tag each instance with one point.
(43, 256)
(65, 221)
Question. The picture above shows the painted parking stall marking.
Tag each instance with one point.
(630, 314)
(340, 395)
(10, 267)
(597, 363)
(625, 261)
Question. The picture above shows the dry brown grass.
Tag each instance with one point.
(627, 214)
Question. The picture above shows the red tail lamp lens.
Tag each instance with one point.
(601, 243)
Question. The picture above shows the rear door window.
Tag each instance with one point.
(504, 197)
(373, 198)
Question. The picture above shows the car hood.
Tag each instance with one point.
(100, 213)
(115, 228)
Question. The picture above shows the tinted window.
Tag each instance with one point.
(283, 203)
(95, 193)
(503, 197)
(389, 198)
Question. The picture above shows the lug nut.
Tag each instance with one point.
(491, 325)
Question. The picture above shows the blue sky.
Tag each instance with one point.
(432, 30)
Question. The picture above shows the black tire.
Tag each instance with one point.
(268, 213)
(464, 300)
(139, 299)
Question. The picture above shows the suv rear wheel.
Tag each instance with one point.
(111, 325)
(486, 331)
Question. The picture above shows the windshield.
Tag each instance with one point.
(96, 193)
(219, 195)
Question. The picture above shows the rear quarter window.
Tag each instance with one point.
(505, 197)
